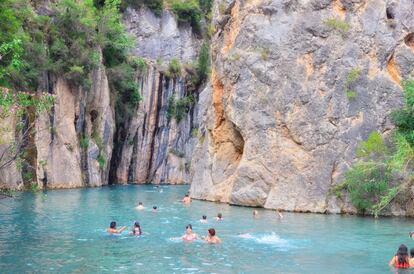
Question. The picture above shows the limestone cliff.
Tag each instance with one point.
(78, 144)
(296, 85)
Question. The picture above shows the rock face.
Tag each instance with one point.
(10, 177)
(160, 38)
(74, 144)
(296, 85)
(156, 148)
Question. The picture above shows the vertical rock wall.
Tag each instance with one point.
(284, 125)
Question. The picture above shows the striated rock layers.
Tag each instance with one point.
(155, 148)
(78, 144)
(296, 85)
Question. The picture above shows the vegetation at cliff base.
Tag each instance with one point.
(384, 168)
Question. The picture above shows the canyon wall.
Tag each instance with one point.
(77, 144)
(296, 85)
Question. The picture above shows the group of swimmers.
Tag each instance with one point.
(189, 235)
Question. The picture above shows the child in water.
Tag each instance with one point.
(211, 238)
(154, 209)
(136, 229)
(203, 219)
(112, 229)
(189, 235)
(219, 217)
(140, 206)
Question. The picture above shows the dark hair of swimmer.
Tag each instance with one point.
(186, 195)
(140, 203)
(220, 215)
(154, 207)
(412, 252)
(204, 217)
(112, 225)
(402, 254)
(136, 225)
(189, 226)
(212, 232)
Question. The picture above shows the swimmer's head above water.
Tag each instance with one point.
(112, 225)
(212, 232)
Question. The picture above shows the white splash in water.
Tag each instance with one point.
(269, 239)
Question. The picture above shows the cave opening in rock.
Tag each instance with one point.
(409, 40)
(390, 11)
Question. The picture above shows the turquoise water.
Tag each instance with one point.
(64, 232)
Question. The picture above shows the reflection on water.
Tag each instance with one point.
(64, 232)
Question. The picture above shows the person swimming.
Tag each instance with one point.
(255, 213)
(140, 206)
(112, 229)
(154, 209)
(186, 199)
(136, 229)
(203, 219)
(211, 237)
(411, 260)
(401, 259)
(279, 214)
(219, 217)
(189, 235)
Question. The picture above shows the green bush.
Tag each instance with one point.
(203, 63)
(366, 183)
(352, 76)
(404, 118)
(187, 12)
(155, 5)
(84, 141)
(206, 5)
(178, 108)
(337, 24)
(383, 171)
(174, 68)
(373, 146)
(101, 161)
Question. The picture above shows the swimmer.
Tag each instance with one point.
(203, 219)
(140, 206)
(400, 260)
(279, 214)
(219, 217)
(112, 229)
(189, 235)
(154, 209)
(136, 229)
(255, 213)
(411, 260)
(186, 199)
(211, 238)
(411, 235)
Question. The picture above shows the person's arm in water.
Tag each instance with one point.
(392, 262)
(121, 229)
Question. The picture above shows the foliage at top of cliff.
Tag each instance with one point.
(66, 42)
(189, 12)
